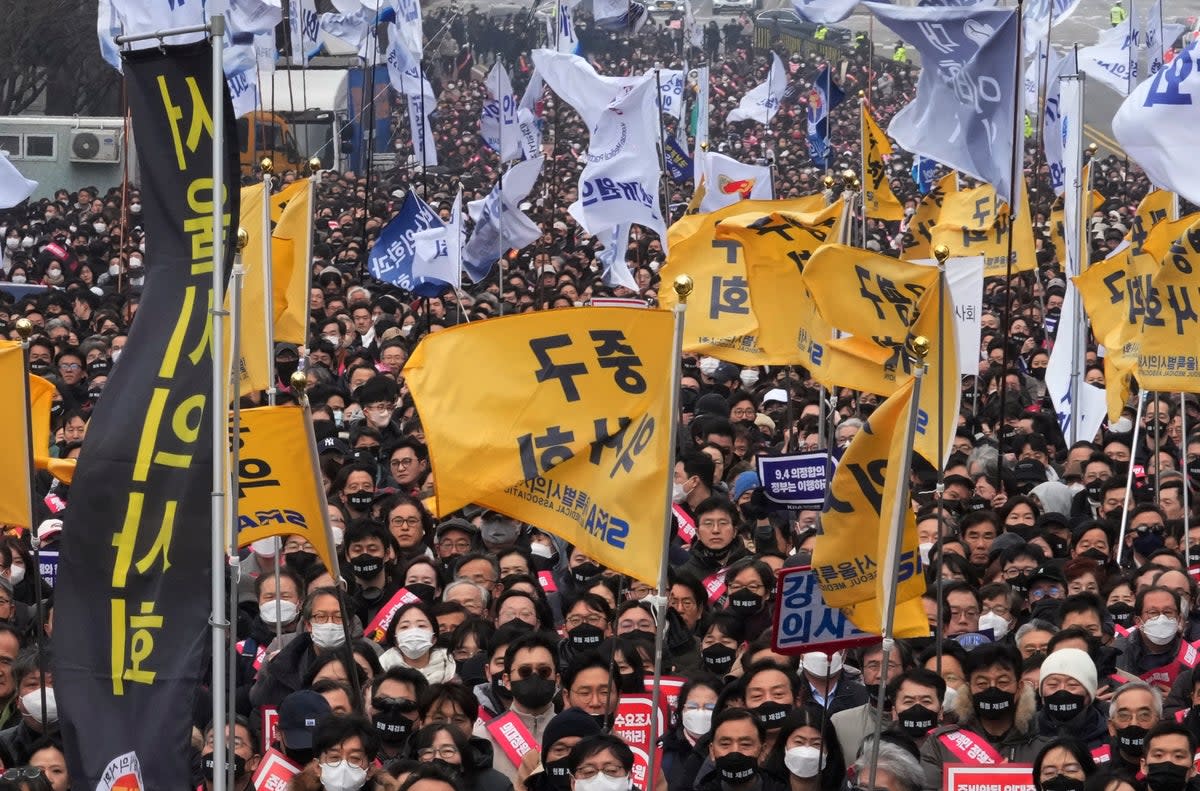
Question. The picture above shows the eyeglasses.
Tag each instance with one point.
(710, 524)
(397, 464)
(1125, 716)
(443, 752)
(591, 620)
(964, 612)
(1053, 591)
(615, 771)
(410, 521)
(529, 671)
(23, 773)
(325, 617)
(298, 546)
(682, 604)
(461, 545)
(699, 706)
(5, 601)
(753, 587)
(69, 367)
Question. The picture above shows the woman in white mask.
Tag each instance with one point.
(412, 636)
(277, 607)
(345, 748)
(807, 752)
(601, 763)
(692, 722)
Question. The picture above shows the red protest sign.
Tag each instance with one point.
(270, 725)
(377, 629)
(631, 724)
(513, 738)
(669, 687)
(274, 773)
(999, 777)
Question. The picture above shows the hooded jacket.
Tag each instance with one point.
(1019, 745)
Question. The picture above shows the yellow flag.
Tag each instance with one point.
(15, 494)
(279, 483)
(878, 200)
(41, 397)
(850, 555)
(881, 303)
(919, 231)
(720, 319)
(1163, 236)
(975, 222)
(290, 260)
(1167, 358)
(254, 367)
(1154, 209)
(775, 246)
(573, 437)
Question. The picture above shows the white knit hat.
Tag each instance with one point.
(1071, 662)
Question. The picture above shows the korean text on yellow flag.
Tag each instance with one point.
(15, 485)
(850, 555)
(279, 485)
(560, 419)
(720, 319)
(975, 222)
(919, 231)
(1154, 208)
(776, 245)
(879, 201)
(1167, 356)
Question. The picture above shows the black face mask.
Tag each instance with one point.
(993, 703)
(641, 634)
(210, 766)
(1098, 555)
(632, 683)
(300, 757)
(391, 722)
(739, 768)
(425, 593)
(1193, 552)
(718, 658)
(453, 770)
(771, 714)
(545, 564)
(1121, 613)
(558, 773)
(745, 602)
(1166, 776)
(1062, 783)
(585, 571)
(534, 693)
(360, 501)
(1093, 491)
(301, 561)
(1020, 583)
(1063, 706)
(1038, 373)
(285, 368)
(1131, 740)
(366, 566)
(1046, 609)
(1146, 543)
(917, 720)
(41, 368)
(585, 636)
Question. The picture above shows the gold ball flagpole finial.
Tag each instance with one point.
(941, 252)
(24, 329)
(243, 239)
(919, 345)
(848, 177)
(683, 287)
(704, 146)
(299, 382)
(267, 165)
(828, 182)
(314, 164)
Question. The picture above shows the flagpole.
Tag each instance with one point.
(1018, 156)
(218, 408)
(1137, 425)
(918, 350)
(683, 289)
(24, 329)
(268, 339)
(941, 253)
(232, 375)
(1187, 511)
(1075, 167)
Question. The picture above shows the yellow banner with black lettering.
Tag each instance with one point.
(850, 556)
(881, 303)
(1167, 358)
(918, 234)
(720, 319)
(879, 202)
(975, 222)
(1156, 207)
(571, 432)
(16, 491)
(280, 492)
(776, 246)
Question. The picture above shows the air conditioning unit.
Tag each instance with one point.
(95, 145)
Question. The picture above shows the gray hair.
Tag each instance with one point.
(1036, 625)
(984, 460)
(894, 760)
(1130, 686)
(458, 583)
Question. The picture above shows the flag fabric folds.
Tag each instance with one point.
(824, 96)
(16, 497)
(1156, 125)
(14, 187)
(922, 173)
(254, 368)
(975, 222)
(1113, 59)
(917, 242)
(762, 101)
(850, 556)
(134, 570)
(408, 79)
(500, 225)
(824, 12)
(727, 181)
(1167, 357)
(879, 202)
(279, 482)
(498, 119)
(291, 241)
(391, 259)
(577, 444)
(438, 250)
(966, 88)
(615, 272)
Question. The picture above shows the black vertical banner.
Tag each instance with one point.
(132, 600)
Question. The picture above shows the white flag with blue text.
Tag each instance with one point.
(500, 225)
(1159, 37)
(351, 28)
(305, 25)
(824, 12)
(527, 122)
(1157, 125)
(408, 22)
(407, 78)
(1053, 120)
(437, 252)
(241, 75)
(1039, 16)
(967, 88)
(131, 17)
(498, 117)
(671, 97)
(1113, 59)
(762, 101)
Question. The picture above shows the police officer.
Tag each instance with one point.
(1116, 14)
(901, 53)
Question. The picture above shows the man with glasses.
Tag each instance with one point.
(717, 544)
(454, 538)
(531, 675)
(1156, 652)
(323, 631)
(345, 748)
(588, 684)
(1134, 709)
(588, 623)
(598, 760)
(246, 755)
(408, 464)
(1145, 532)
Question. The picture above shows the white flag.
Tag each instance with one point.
(108, 27)
(1039, 15)
(578, 84)
(671, 91)
(14, 187)
(615, 272)
(560, 29)
(609, 9)
(138, 16)
(964, 277)
(500, 225)
(350, 28)
(306, 31)
(241, 75)
(498, 118)
(408, 79)
(762, 101)
(1090, 406)
(1157, 125)
(408, 23)
(438, 250)
(264, 52)
(1159, 37)
(1113, 59)
(727, 181)
(701, 111)
(1053, 120)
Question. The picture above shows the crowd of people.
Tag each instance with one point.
(1060, 602)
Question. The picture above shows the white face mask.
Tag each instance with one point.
(336, 340)
(114, 270)
(1160, 629)
(52, 273)
(999, 626)
(342, 776)
(708, 365)
(697, 721)
(136, 208)
(414, 643)
(819, 665)
(804, 761)
(16, 574)
(540, 550)
(99, 227)
(18, 278)
(264, 547)
(115, 354)
(379, 417)
(328, 635)
(602, 782)
(33, 705)
(27, 242)
(678, 493)
(749, 377)
(278, 611)
(924, 550)
(12, 242)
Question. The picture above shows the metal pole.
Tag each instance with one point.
(268, 280)
(1137, 425)
(1187, 511)
(217, 409)
(1076, 262)
(1018, 157)
(918, 350)
(235, 432)
(683, 289)
(162, 34)
(941, 254)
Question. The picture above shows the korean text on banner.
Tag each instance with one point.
(878, 199)
(576, 442)
(975, 222)
(804, 622)
(1167, 357)
(279, 492)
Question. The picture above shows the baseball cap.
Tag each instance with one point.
(299, 715)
